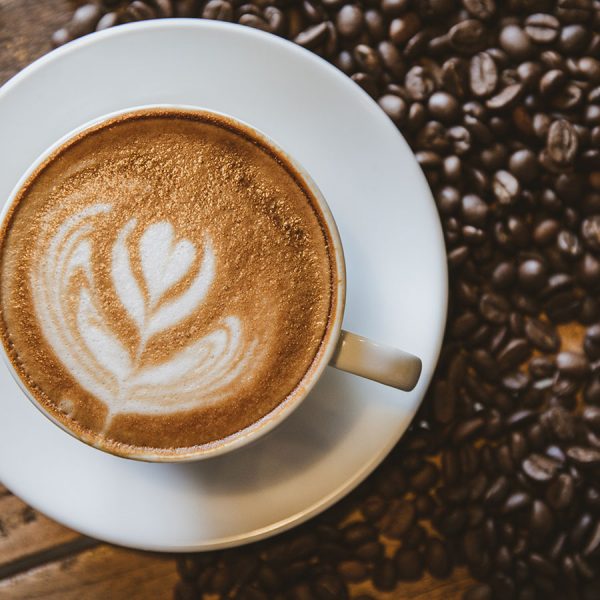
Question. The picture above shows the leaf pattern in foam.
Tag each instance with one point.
(164, 262)
(106, 348)
(216, 348)
(124, 280)
(181, 307)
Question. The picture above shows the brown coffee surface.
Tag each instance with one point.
(167, 281)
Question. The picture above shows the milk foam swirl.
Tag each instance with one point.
(65, 298)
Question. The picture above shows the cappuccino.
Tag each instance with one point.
(167, 281)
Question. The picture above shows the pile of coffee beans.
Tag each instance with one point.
(500, 471)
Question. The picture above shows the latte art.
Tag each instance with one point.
(79, 335)
(166, 282)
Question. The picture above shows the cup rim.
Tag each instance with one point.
(278, 414)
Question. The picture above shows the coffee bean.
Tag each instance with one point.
(573, 39)
(373, 508)
(311, 38)
(542, 335)
(563, 143)
(497, 491)
(443, 106)
(506, 188)
(541, 521)
(480, 9)
(515, 352)
(560, 492)
(330, 587)
(403, 28)
(399, 518)
(409, 565)
(391, 59)
(424, 478)
(394, 107)
(394, 8)
(568, 244)
(585, 457)
(590, 231)
(385, 575)
(467, 36)
(438, 559)
(356, 534)
(515, 42)
(593, 544)
(515, 502)
(86, 17)
(419, 83)
(539, 467)
(467, 429)
(349, 21)
(219, 10)
(523, 165)
(483, 74)
(506, 98)
(369, 551)
(542, 28)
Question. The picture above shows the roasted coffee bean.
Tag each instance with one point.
(385, 575)
(515, 352)
(420, 84)
(540, 468)
(515, 42)
(438, 559)
(560, 492)
(506, 187)
(584, 457)
(497, 491)
(467, 36)
(369, 551)
(542, 335)
(399, 518)
(523, 165)
(394, 107)
(563, 143)
(506, 98)
(467, 429)
(515, 502)
(350, 21)
(532, 274)
(356, 534)
(542, 28)
(541, 521)
(311, 38)
(409, 564)
(494, 308)
(483, 74)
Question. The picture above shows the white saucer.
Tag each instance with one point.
(397, 283)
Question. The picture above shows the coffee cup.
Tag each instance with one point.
(161, 325)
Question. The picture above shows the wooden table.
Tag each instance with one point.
(38, 557)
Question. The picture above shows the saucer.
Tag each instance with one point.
(396, 267)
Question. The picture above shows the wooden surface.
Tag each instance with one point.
(38, 557)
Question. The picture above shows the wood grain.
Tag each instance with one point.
(25, 30)
(426, 588)
(105, 572)
(24, 532)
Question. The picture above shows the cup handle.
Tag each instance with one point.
(379, 362)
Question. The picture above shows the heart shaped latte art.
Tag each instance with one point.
(192, 376)
(164, 261)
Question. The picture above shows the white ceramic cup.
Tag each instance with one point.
(340, 349)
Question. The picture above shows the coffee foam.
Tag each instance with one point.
(166, 282)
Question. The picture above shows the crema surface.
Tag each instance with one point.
(167, 281)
